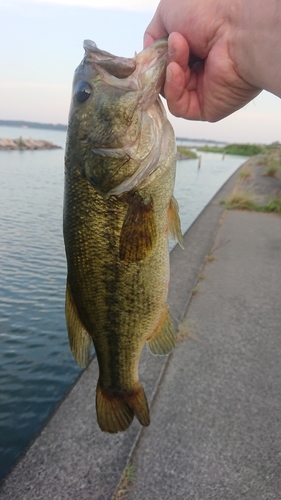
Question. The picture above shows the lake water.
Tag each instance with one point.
(36, 366)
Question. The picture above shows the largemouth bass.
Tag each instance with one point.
(118, 210)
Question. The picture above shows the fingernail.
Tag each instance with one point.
(168, 74)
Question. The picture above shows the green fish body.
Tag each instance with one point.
(118, 211)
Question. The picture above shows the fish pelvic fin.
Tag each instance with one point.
(138, 235)
(115, 411)
(79, 339)
(174, 223)
(163, 339)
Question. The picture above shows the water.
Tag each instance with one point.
(36, 367)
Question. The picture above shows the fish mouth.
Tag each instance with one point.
(153, 54)
(122, 67)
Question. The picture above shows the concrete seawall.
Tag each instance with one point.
(71, 458)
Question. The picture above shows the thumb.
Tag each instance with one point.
(147, 40)
(154, 30)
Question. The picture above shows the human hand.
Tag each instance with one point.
(212, 88)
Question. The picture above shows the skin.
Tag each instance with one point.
(237, 49)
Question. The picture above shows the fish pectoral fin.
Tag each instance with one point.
(79, 339)
(115, 412)
(118, 154)
(138, 235)
(174, 224)
(163, 339)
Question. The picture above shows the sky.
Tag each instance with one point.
(41, 45)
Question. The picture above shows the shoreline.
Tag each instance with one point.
(30, 144)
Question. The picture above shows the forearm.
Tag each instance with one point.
(255, 43)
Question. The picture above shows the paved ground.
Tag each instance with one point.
(216, 420)
(215, 402)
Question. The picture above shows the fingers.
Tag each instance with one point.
(180, 93)
(181, 82)
(178, 50)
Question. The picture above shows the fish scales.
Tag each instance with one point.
(117, 242)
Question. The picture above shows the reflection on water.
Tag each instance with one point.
(36, 365)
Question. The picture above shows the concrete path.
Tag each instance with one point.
(216, 420)
(215, 402)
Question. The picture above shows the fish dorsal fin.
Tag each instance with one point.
(138, 235)
(79, 339)
(163, 339)
(174, 224)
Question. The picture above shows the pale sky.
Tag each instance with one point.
(41, 45)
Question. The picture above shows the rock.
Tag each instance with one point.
(25, 144)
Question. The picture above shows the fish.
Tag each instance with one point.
(119, 211)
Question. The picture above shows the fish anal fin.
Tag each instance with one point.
(138, 235)
(79, 339)
(115, 412)
(163, 339)
(174, 224)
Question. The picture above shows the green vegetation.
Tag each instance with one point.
(274, 205)
(273, 167)
(211, 149)
(239, 201)
(20, 142)
(186, 153)
(244, 149)
(127, 478)
(130, 473)
(210, 257)
(245, 174)
(272, 160)
(235, 149)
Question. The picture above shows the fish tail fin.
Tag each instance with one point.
(115, 412)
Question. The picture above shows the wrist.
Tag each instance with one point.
(255, 43)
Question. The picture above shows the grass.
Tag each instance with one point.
(210, 257)
(127, 478)
(20, 142)
(235, 149)
(187, 153)
(273, 168)
(239, 201)
(274, 205)
(245, 174)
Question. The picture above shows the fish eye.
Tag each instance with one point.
(82, 91)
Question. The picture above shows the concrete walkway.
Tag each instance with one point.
(215, 402)
(216, 421)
